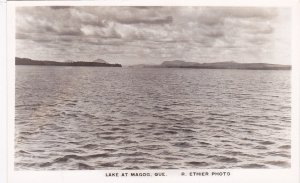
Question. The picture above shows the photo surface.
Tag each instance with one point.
(152, 87)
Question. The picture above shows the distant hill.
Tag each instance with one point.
(100, 61)
(96, 63)
(144, 66)
(179, 63)
(224, 65)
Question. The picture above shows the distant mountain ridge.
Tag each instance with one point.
(165, 64)
(96, 63)
(224, 65)
(177, 63)
(217, 65)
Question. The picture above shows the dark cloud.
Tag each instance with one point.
(214, 33)
(147, 20)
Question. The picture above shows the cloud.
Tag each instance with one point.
(22, 36)
(249, 12)
(132, 34)
(151, 20)
(60, 7)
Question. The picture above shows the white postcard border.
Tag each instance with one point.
(290, 175)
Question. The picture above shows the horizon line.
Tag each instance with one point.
(155, 64)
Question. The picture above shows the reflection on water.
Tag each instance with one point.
(126, 118)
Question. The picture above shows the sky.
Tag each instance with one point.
(151, 35)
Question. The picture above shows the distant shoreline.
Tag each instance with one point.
(26, 61)
(167, 64)
(216, 65)
(210, 68)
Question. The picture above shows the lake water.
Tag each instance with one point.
(70, 118)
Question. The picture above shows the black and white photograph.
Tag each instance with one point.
(152, 87)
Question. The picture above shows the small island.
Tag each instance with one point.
(96, 63)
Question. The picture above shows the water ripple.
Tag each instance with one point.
(80, 118)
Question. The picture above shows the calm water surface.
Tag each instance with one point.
(125, 118)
